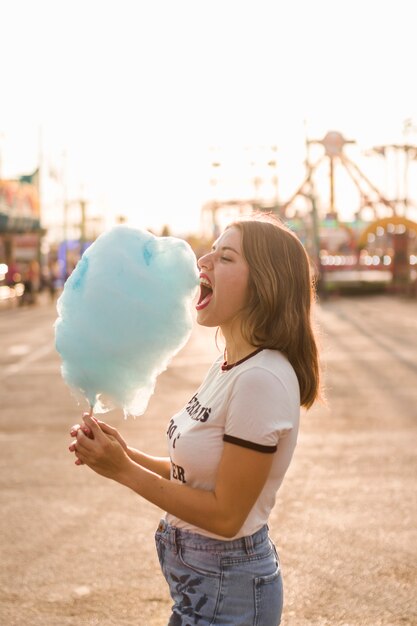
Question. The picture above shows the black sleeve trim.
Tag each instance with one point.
(249, 444)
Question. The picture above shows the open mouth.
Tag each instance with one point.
(206, 293)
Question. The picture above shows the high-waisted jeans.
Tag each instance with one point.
(227, 583)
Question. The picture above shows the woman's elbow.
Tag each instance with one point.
(228, 527)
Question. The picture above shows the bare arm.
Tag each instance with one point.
(241, 476)
(156, 464)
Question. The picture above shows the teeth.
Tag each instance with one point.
(205, 282)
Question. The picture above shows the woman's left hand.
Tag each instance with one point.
(103, 453)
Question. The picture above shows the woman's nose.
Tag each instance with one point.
(204, 261)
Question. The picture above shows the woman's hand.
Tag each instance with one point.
(109, 430)
(102, 449)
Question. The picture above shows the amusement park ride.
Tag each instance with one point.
(378, 249)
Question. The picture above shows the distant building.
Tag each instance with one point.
(20, 224)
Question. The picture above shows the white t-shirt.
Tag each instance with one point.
(256, 404)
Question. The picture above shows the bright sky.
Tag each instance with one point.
(136, 93)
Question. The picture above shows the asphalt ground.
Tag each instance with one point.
(77, 549)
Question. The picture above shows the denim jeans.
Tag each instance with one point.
(227, 583)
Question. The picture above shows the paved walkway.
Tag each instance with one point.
(78, 550)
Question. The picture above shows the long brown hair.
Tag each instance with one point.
(278, 314)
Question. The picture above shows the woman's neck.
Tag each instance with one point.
(237, 348)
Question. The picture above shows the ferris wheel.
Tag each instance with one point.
(334, 143)
(385, 242)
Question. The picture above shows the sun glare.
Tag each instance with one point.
(135, 122)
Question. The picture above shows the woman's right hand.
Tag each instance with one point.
(110, 430)
(106, 428)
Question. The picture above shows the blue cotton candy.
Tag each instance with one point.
(125, 311)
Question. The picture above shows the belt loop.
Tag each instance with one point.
(249, 545)
(176, 539)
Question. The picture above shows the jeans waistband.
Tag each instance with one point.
(177, 536)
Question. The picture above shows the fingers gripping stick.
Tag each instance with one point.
(85, 429)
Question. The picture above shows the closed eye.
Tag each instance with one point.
(225, 258)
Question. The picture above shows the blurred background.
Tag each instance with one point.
(178, 116)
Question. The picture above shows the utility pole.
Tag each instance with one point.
(215, 164)
(408, 128)
(1, 155)
(65, 205)
(272, 163)
(315, 222)
(83, 222)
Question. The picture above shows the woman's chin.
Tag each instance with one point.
(204, 320)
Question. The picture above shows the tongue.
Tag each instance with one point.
(207, 298)
(205, 293)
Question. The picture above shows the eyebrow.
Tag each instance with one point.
(226, 248)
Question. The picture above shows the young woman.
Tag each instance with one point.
(230, 446)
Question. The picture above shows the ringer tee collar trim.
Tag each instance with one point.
(226, 367)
